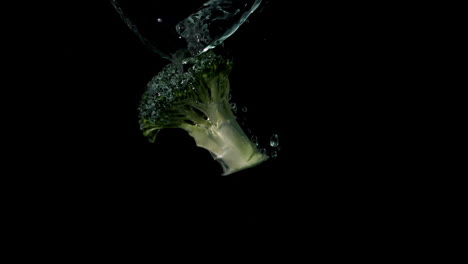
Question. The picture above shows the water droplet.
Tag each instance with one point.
(244, 109)
(274, 142)
(160, 20)
(255, 140)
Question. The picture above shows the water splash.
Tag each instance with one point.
(208, 26)
(133, 27)
(214, 22)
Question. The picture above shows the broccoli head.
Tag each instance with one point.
(194, 95)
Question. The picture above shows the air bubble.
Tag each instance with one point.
(274, 142)
(255, 140)
(274, 154)
(234, 107)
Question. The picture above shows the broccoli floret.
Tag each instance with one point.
(193, 95)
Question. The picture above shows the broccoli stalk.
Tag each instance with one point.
(193, 96)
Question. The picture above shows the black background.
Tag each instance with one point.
(307, 74)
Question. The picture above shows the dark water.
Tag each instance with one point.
(305, 73)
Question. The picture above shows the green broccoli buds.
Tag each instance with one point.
(193, 95)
